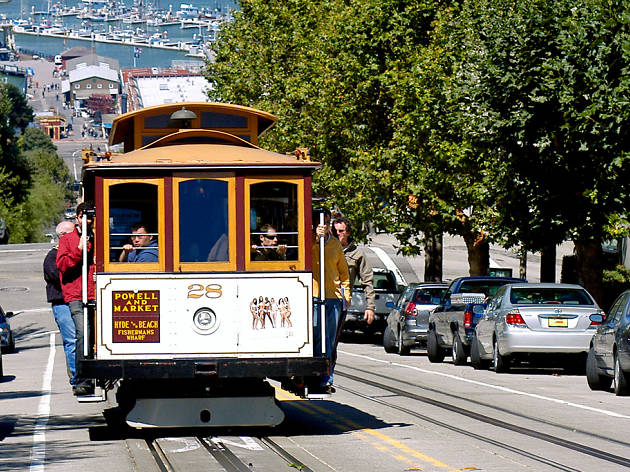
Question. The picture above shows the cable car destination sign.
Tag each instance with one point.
(136, 316)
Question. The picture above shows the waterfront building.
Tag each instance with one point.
(91, 59)
(51, 124)
(87, 79)
(158, 85)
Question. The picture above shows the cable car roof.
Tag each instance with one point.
(151, 121)
(196, 155)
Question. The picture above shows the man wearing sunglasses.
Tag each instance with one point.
(269, 249)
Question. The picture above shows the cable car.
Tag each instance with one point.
(190, 333)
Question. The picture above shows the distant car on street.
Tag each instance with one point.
(7, 342)
(386, 291)
(4, 232)
(408, 322)
(542, 320)
(608, 360)
(70, 213)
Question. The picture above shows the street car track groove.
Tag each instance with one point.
(485, 419)
(158, 454)
(231, 463)
(494, 407)
(292, 461)
(224, 456)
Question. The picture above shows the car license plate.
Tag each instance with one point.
(558, 322)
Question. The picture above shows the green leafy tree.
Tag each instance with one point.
(329, 70)
(545, 89)
(42, 194)
(14, 170)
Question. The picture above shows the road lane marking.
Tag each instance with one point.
(496, 387)
(343, 424)
(389, 264)
(38, 452)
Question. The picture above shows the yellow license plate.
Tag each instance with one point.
(558, 322)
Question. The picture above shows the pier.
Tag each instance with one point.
(103, 38)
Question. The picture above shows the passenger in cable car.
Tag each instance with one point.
(336, 289)
(269, 249)
(143, 247)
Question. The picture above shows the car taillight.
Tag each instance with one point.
(514, 318)
(468, 316)
(410, 310)
(595, 322)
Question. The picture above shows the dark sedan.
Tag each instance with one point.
(408, 321)
(608, 360)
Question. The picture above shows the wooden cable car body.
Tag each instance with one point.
(192, 334)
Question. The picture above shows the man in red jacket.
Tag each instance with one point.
(70, 265)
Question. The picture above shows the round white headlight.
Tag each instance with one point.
(205, 321)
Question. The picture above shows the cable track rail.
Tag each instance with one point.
(222, 454)
(483, 418)
(494, 407)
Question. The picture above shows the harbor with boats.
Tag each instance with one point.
(135, 33)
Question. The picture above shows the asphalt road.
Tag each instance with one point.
(389, 413)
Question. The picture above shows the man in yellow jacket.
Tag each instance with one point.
(337, 290)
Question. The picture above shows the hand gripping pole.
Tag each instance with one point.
(84, 283)
(322, 285)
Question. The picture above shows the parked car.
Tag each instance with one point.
(524, 321)
(608, 360)
(448, 331)
(70, 213)
(386, 290)
(4, 232)
(408, 322)
(7, 342)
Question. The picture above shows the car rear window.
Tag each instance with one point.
(489, 288)
(429, 295)
(556, 296)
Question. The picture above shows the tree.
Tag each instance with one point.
(546, 87)
(14, 171)
(329, 71)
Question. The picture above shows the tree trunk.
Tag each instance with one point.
(478, 254)
(433, 258)
(548, 264)
(589, 267)
(522, 265)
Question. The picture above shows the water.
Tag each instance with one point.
(48, 46)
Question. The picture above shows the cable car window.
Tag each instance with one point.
(203, 221)
(274, 221)
(156, 121)
(133, 222)
(222, 120)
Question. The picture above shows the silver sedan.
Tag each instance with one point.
(529, 320)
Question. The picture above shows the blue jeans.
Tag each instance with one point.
(333, 313)
(63, 318)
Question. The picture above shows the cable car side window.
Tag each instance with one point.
(274, 211)
(134, 227)
(203, 221)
